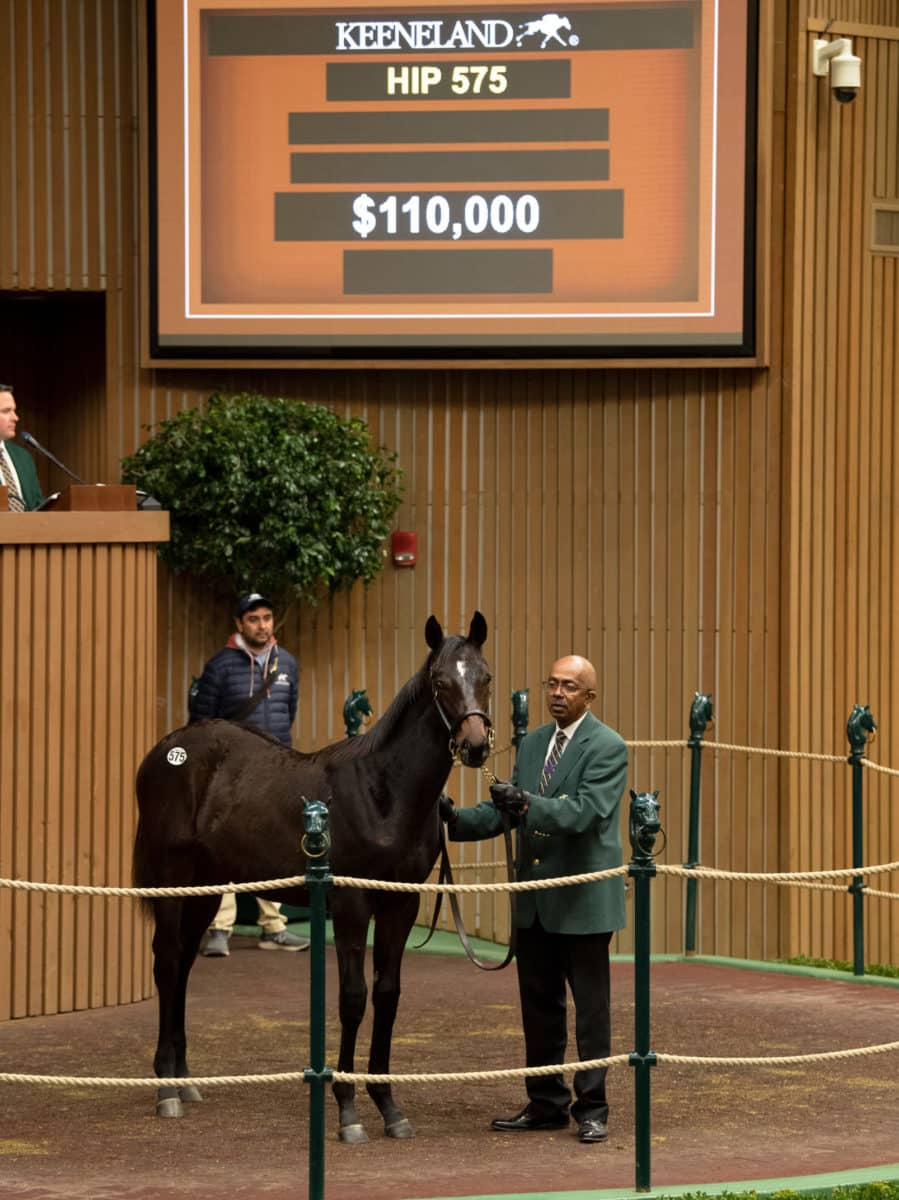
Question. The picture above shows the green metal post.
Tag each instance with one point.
(316, 843)
(644, 825)
(701, 712)
(859, 725)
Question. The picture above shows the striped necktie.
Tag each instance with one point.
(554, 755)
(15, 500)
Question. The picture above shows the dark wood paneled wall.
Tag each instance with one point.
(724, 530)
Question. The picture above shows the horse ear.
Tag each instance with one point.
(477, 632)
(433, 633)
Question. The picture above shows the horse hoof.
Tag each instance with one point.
(353, 1135)
(399, 1129)
(170, 1107)
(190, 1094)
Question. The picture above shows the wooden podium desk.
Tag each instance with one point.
(77, 698)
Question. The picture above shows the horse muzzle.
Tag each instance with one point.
(472, 740)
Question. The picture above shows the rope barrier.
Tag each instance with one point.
(800, 878)
(774, 876)
(873, 766)
(804, 754)
(780, 1060)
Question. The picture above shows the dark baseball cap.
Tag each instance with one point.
(250, 601)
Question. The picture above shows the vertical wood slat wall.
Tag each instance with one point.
(665, 522)
(840, 538)
(76, 700)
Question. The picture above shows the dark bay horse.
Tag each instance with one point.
(220, 803)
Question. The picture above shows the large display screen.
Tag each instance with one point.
(379, 179)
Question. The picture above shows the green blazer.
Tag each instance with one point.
(27, 473)
(571, 830)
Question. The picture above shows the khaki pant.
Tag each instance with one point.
(269, 914)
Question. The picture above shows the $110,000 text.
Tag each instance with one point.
(454, 216)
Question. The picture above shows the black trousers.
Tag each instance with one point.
(547, 962)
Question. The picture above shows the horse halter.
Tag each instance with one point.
(453, 727)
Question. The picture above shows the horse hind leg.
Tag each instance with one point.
(179, 928)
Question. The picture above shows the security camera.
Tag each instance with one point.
(844, 68)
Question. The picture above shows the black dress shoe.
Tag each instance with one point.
(527, 1121)
(592, 1131)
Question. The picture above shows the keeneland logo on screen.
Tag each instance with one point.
(448, 34)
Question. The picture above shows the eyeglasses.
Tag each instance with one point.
(568, 686)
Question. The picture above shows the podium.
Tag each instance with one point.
(78, 695)
(84, 497)
(93, 497)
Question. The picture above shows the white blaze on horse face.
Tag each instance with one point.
(461, 668)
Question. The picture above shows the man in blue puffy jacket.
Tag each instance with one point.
(255, 681)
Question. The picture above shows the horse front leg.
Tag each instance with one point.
(351, 918)
(179, 929)
(394, 919)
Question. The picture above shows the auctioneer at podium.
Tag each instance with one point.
(17, 470)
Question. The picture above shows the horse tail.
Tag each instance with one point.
(141, 873)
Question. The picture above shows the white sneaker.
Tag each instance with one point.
(285, 940)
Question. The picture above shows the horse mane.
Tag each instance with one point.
(382, 730)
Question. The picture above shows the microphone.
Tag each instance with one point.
(33, 442)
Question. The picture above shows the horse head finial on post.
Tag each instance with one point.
(519, 715)
(861, 723)
(356, 711)
(701, 712)
(315, 824)
(645, 824)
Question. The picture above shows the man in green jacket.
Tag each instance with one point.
(565, 797)
(17, 470)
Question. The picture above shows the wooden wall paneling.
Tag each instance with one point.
(8, 178)
(685, 566)
(22, 901)
(705, 601)
(736, 583)
(99, 782)
(625, 685)
(582, 620)
(36, 790)
(677, 674)
(51, 867)
(63, 628)
(606, 594)
(644, 679)
(663, 519)
(112, 719)
(139, 735)
(638, 680)
(70, 633)
(121, 795)
(568, 569)
(730, 765)
(40, 70)
(20, 163)
(767, 724)
(8, 778)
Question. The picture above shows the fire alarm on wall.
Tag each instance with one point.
(404, 548)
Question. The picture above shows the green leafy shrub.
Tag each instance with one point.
(281, 496)
(885, 970)
(857, 1191)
